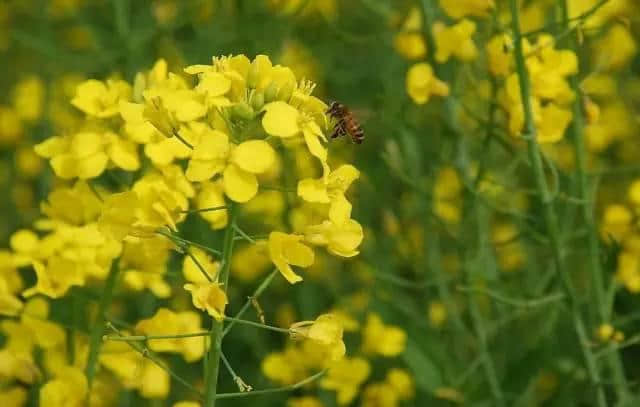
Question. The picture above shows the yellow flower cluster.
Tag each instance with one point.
(549, 70)
(618, 224)
(346, 375)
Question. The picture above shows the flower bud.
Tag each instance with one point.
(257, 101)
(253, 76)
(243, 111)
(286, 91)
(271, 92)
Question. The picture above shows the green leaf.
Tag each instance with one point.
(426, 373)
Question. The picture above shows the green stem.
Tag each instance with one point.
(213, 367)
(584, 192)
(140, 338)
(515, 302)
(548, 208)
(257, 325)
(263, 286)
(95, 337)
(276, 390)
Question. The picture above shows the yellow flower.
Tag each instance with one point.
(341, 239)
(306, 401)
(119, 214)
(10, 305)
(101, 99)
(144, 263)
(616, 222)
(605, 332)
(437, 313)
(211, 195)
(250, 261)
(86, 154)
(55, 278)
(135, 371)
(379, 395)
(381, 339)
(462, 8)
(192, 272)
(208, 297)
(331, 189)
(409, 42)
(286, 121)
(499, 57)
(421, 84)
(615, 49)
(326, 330)
(286, 250)
(28, 98)
(11, 128)
(455, 41)
(68, 389)
(239, 165)
(345, 378)
(167, 322)
(13, 396)
(286, 367)
(402, 383)
(187, 404)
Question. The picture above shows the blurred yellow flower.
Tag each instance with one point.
(462, 8)
(402, 383)
(168, 322)
(68, 389)
(455, 41)
(381, 339)
(345, 378)
(421, 84)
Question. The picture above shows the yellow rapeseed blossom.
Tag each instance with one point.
(409, 42)
(345, 378)
(381, 339)
(462, 8)
(437, 313)
(326, 330)
(28, 98)
(422, 83)
(208, 297)
(68, 389)
(379, 395)
(167, 322)
(101, 99)
(191, 271)
(402, 383)
(455, 41)
(331, 190)
(286, 250)
(615, 49)
(306, 401)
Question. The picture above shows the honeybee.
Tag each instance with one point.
(346, 123)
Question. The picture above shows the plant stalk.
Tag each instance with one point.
(213, 362)
(549, 213)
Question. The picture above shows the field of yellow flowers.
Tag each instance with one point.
(319, 203)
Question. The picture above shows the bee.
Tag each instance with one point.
(346, 123)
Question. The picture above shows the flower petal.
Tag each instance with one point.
(239, 185)
(254, 156)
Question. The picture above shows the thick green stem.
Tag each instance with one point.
(549, 213)
(213, 362)
(95, 337)
(584, 193)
